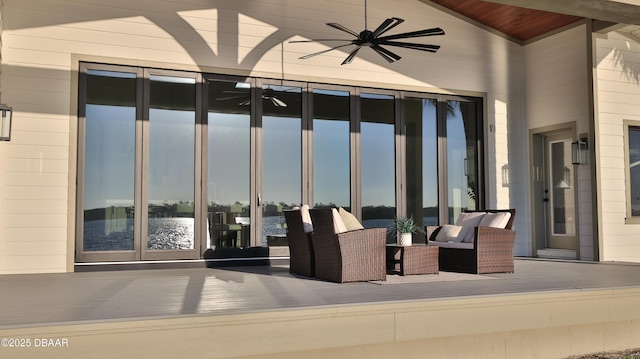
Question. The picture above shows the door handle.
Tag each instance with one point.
(259, 199)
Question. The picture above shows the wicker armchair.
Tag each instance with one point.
(301, 256)
(354, 256)
(492, 250)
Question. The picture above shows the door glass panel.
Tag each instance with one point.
(281, 156)
(377, 140)
(634, 169)
(562, 195)
(109, 162)
(228, 184)
(422, 160)
(171, 163)
(462, 139)
(331, 155)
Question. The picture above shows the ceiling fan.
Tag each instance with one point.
(268, 94)
(374, 40)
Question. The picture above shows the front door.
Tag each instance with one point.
(555, 224)
(560, 193)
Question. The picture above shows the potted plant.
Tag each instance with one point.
(403, 227)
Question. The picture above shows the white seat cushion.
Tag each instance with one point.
(338, 224)
(306, 219)
(350, 221)
(496, 220)
(452, 245)
(450, 233)
(469, 220)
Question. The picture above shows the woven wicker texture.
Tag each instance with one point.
(353, 256)
(301, 257)
(415, 259)
(492, 250)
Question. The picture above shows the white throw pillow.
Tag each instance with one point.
(338, 224)
(464, 231)
(350, 221)
(496, 220)
(448, 232)
(306, 219)
(468, 235)
(469, 220)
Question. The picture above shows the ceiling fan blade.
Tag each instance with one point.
(342, 28)
(387, 25)
(408, 45)
(386, 54)
(230, 97)
(322, 52)
(419, 33)
(351, 56)
(277, 102)
(316, 40)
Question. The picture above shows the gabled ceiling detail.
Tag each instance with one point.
(516, 22)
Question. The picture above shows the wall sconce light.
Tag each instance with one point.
(5, 123)
(505, 176)
(579, 152)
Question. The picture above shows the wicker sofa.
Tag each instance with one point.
(351, 256)
(490, 249)
(301, 256)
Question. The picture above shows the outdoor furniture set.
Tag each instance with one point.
(331, 244)
(479, 242)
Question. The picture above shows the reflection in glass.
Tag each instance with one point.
(634, 169)
(377, 140)
(228, 188)
(109, 163)
(462, 139)
(562, 197)
(422, 160)
(331, 165)
(281, 156)
(171, 163)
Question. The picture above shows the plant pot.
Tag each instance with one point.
(404, 239)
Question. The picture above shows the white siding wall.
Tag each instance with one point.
(44, 39)
(557, 92)
(618, 73)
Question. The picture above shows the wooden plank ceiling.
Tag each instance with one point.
(516, 22)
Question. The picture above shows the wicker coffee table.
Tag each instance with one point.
(414, 259)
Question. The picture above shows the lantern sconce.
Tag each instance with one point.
(5, 122)
(505, 175)
(579, 151)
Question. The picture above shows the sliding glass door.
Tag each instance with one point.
(462, 157)
(378, 159)
(108, 154)
(331, 148)
(228, 164)
(173, 164)
(421, 130)
(281, 157)
(169, 176)
(139, 165)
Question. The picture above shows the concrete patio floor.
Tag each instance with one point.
(546, 309)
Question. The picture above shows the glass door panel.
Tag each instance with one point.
(229, 163)
(331, 149)
(378, 160)
(462, 167)
(171, 163)
(422, 160)
(281, 156)
(562, 234)
(109, 161)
